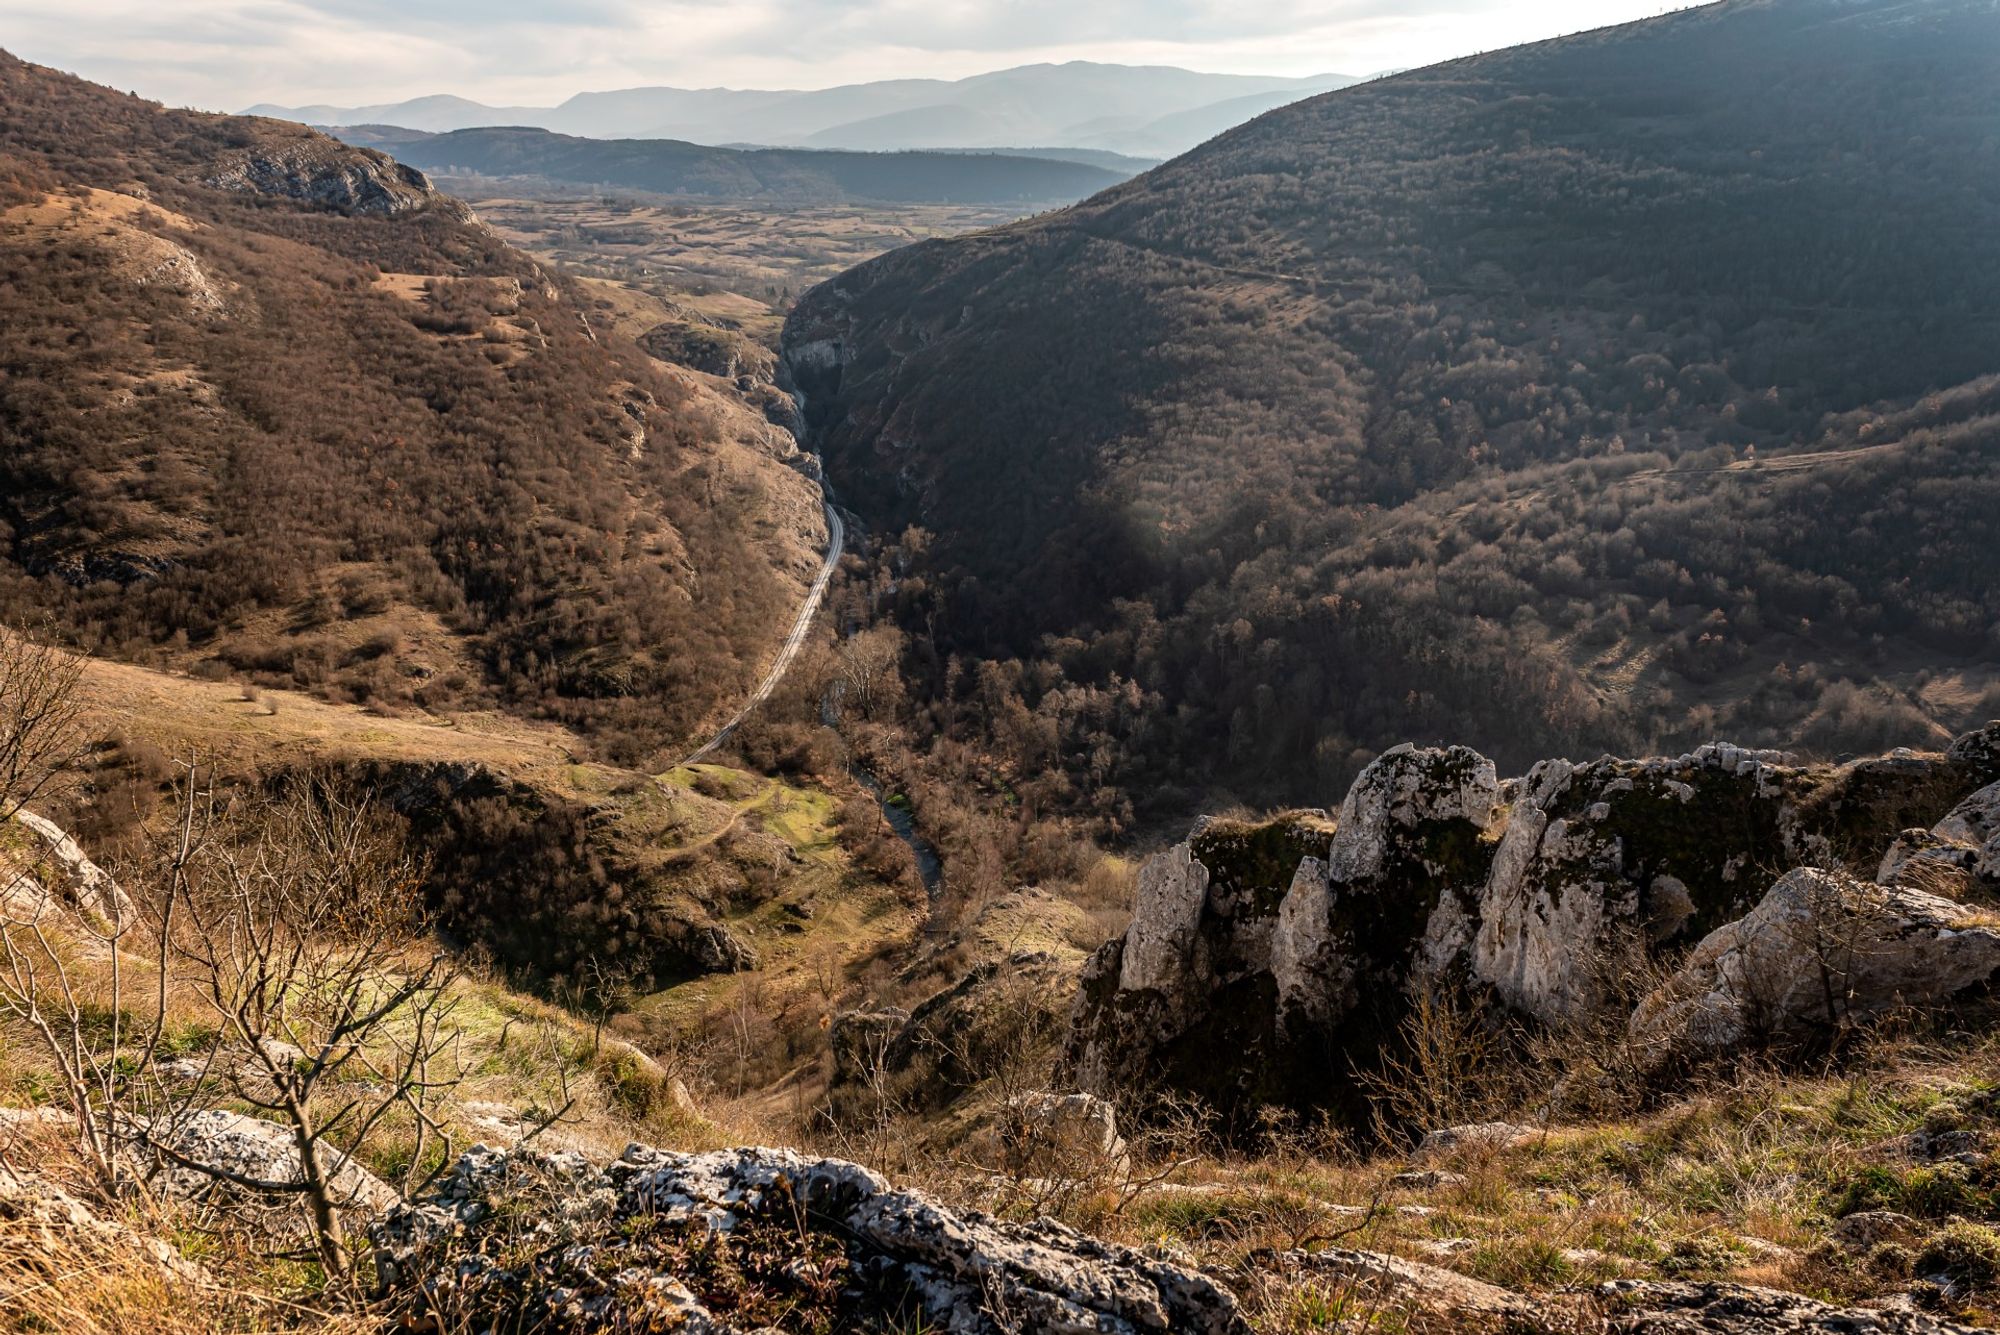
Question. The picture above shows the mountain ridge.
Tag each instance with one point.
(781, 175)
(1031, 103)
(1584, 372)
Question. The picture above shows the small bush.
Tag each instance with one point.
(1704, 1254)
(1966, 1254)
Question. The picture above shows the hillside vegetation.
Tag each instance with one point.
(1618, 391)
(277, 409)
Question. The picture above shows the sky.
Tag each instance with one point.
(225, 55)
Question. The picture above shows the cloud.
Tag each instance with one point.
(227, 54)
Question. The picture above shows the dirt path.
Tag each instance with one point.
(836, 539)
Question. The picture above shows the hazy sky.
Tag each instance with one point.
(227, 54)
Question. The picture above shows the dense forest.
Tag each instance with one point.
(768, 175)
(273, 408)
(1614, 392)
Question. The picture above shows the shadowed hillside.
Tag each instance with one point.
(1618, 390)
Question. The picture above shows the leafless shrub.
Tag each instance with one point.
(297, 920)
(40, 711)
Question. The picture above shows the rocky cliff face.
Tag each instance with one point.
(323, 172)
(1267, 963)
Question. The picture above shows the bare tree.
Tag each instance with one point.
(299, 924)
(44, 985)
(600, 989)
(867, 667)
(40, 708)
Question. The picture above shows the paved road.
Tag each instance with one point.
(836, 540)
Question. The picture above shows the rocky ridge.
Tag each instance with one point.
(325, 173)
(558, 1239)
(1266, 961)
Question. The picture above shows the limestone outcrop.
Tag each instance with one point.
(52, 861)
(1636, 1307)
(1265, 963)
(254, 1163)
(313, 169)
(734, 1240)
(1966, 842)
(1821, 951)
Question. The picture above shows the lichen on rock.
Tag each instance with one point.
(735, 1240)
(1268, 962)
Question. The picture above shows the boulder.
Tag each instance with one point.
(1475, 1137)
(950, 1040)
(251, 1152)
(45, 1225)
(603, 1246)
(859, 1042)
(1821, 951)
(715, 949)
(1978, 753)
(1391, 1282)
(1078, 1128)
(1868, 1229)
(1427, 1179)
(59, 863)
(1395, 900)
(1604, 863)
(1639, 1307)
(1966, 843)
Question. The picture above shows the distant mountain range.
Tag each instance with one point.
(1141, 111)
(772, 175)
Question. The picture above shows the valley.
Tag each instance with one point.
(1388, 726)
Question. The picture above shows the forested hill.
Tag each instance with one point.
(274, 408)
(771, 175)
(1428, 408)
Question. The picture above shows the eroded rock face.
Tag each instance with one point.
(1262, 957)
(313, 169)
(609, 1248)
(1187, 997)
(1821, 951)
(1264, 963)
(1978, 753)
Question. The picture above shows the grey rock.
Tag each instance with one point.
(1820, 951)
(971, 1274)
(313, 169)
(1638, 1307)
(1071, 1124)
(257, 1152)
(1868, 1229)
(58, 862)
(1262, 959)
(1965, 841)
(1429, 1288)
(1475, 1137)
(1427, 1179)
(1978, 752)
